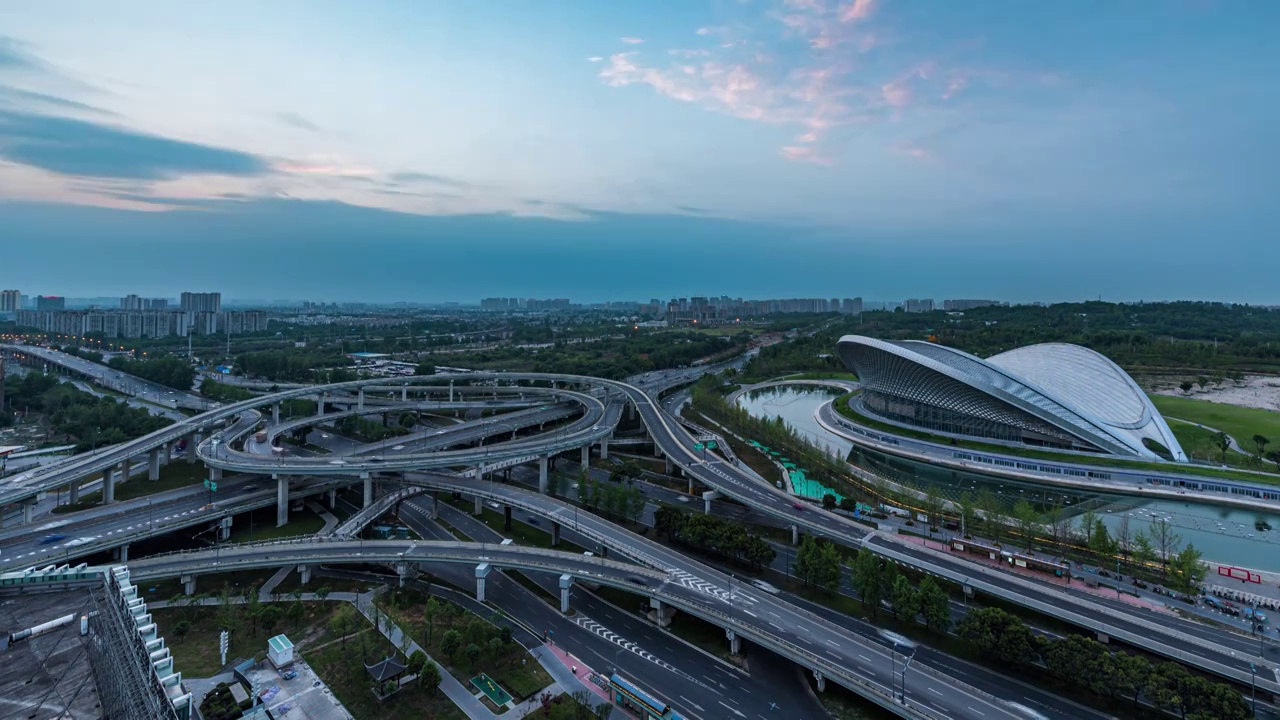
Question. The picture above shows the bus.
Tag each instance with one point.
(639, 702)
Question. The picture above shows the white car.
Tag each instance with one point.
(82, 541)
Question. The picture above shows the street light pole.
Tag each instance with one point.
(1253, 688)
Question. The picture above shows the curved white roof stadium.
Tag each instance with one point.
(1054, 395)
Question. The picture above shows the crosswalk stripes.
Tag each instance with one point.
(590, 625)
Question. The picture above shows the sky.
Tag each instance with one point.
(435, 151)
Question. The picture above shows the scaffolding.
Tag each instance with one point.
(131, 666)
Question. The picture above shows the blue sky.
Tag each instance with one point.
(1051, 150)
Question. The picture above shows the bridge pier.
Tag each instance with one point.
(482, 572)
(124, 470)
(166, 453)
(662, 613)
(506, 518)
(404, 393)
(667, 466)
(604, 448)
(122, 553)
(450, 391)
(822, 681)
(189, 584)
(215, 473)
(333, 498)
(795, 534)
(224, 528)
(360, 400)
(28, 510)
(192, 440)
(585, 462)
(304, 574)
(275, 414)
(631, 411)
(73, 491)
(435, 505)
(402, 572)
(108, 486)
(735, 642)
(368, 489)
(153, 465)
(566, 582)
(319, 404)
(555, 534)
(707, 497)
(282, 499)
(542, 475)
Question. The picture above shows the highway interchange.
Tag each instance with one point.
(850, 658)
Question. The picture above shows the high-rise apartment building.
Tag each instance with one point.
(201, 302)
(10, 301)
(913, 305)
(851, 306)
(130, 302)
(51, 302)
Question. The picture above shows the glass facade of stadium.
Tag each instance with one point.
(1053, 395)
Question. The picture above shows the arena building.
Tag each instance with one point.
(1052, 395)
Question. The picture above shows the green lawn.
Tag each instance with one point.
(1200, 443)
(261, 525)
(1240, 423)
(176, 474)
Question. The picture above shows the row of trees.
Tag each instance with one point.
(877, 581)
(619, 499)
(1090, 666)
(715, 535)
(288, 365)
(168, 371)
(89, 420)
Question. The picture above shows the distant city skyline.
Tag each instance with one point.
(440, 151)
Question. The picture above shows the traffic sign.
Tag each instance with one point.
(213, 486)
(699, 446)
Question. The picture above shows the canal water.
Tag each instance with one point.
(1225, 535)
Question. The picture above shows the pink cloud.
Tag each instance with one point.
(632, 40)
(956, 85)
(895, 94)
(856, 11)
(804, 153)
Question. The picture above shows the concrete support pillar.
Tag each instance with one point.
(795, 534)
(333, 498)
(402, 572)
(667, 466)
(166, 453)
(566, 582)
(124, 470)
(73, 491)
(304, 574)
(360, 400)
(661, 612)
(450, 391)
(543, 482)
(822, 681)
(282, 499)
(122, 553)
(319, 404)
(404, 393)
(189, 584)
(108, 486)
(657, 451)
(586, 456)
(224, 528)
(28, 510)
(555, 534)
(191, 441)
(153, 465)
(482, 572)
(707, 497)
(631, 411)
(368, 489)
(215, 473)
(506, 518)
(479, 506)
(604, 448)
(275, 414)
(735, 643)
(435, 505)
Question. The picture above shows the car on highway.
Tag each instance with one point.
(51, 538)
(82, 541)
(249, 488)
(798, 506)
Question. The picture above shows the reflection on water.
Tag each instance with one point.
(1225, 535)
